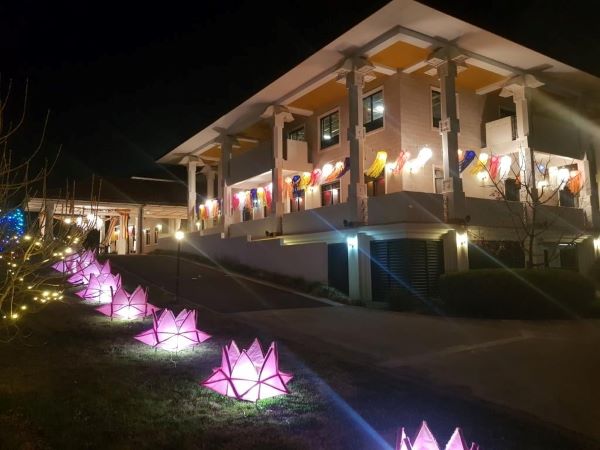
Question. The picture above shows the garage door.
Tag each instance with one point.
(406, 269)
(337, 262)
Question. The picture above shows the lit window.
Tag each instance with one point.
(373, 111)
(330, 129)
(330, 193)
(297, 134)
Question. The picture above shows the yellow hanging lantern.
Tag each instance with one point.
(378, 164)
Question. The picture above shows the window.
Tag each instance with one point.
(330, 193)
(373, 109)
(156, 235)
(375, 186)
(330, 129)
(147, 234)
(297, 134)
(436, 108)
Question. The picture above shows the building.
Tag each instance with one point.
(412, 145)
(130, 214)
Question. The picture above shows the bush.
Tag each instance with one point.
(517, 293)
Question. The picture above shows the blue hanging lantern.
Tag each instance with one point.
(468, 159)
(254, 196)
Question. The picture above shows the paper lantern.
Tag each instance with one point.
(426, 441)
(173, 333)
(82, 276)
(326, 171)
(467, 159)
(403, 157)
(494, 166)
(505, 165)
(378, 164)
(249, 375)
(76, 261)
(315, 177)
(101, 288)
(126, 306)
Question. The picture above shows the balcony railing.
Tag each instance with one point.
(501, 131)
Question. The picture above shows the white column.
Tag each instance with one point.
(191, 183)
(456, 250)
(224, 190)
(209, 173)
(141, 235)
(520, 88)
(589, 193)
(359, 267)
(278, 115)
(586, 255)
(355, 71)
(454, 197)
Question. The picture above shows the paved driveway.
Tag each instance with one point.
(210, 288)
(550, 370)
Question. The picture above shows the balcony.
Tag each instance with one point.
(326, 218)
(500, 134)
(406, 206)
(493, 213)
(259, 160)
(501, 214)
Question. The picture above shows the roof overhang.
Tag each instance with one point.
(399, 20)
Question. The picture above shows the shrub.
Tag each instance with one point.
(517, 293)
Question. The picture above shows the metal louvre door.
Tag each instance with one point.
(405, 271)
(337, 262)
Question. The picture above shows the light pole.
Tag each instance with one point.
(179, 235)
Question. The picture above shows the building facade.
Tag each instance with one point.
(414, 144)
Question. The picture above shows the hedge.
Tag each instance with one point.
(516, 293)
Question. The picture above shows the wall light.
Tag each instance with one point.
(159, 227)
(462, 239)
(352, 242)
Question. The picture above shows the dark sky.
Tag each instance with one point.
(127, 82)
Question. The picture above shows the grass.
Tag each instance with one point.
(80, 381)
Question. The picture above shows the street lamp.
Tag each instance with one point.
(179, 235)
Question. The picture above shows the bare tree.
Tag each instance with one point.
(538, 185)
(29, 247)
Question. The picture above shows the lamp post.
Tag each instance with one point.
(179, 235)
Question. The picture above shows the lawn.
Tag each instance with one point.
(78, 380)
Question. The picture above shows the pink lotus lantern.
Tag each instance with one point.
(83, 274)
(426, 441)
(125, 306)
(249, 375)
(100, 288)
(173, 333)
(74, 262)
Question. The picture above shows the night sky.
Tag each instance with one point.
(127, 82)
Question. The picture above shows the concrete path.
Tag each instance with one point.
(548, 369)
